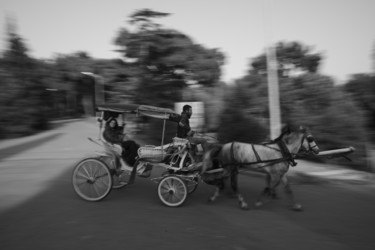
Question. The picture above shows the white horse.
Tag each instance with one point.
(273, 158)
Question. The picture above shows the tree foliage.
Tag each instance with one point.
(22, 99)
(362, 90)
(166, 60)
(291, 57)
(143, 19)
(335, 121)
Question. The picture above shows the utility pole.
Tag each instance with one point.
(273, 93)
(272, 76)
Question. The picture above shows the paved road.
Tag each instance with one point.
(39, 210)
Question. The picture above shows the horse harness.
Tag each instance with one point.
(286, 155)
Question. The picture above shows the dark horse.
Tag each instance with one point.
(273, 158)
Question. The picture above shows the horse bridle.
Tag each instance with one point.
(289, 156)
(310, 139)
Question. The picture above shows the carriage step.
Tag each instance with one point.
(217, 170)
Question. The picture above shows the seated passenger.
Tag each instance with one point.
(113, 133)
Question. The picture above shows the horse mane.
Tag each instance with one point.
(276, 140)
(286, 130)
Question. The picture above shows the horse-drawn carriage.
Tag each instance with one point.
(94, 177)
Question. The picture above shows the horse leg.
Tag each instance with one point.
(234, 185)
(220, 185)
(275, 182)
(270, 191)
(288, 190)
(265, 192)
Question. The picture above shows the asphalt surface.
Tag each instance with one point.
(39, 209)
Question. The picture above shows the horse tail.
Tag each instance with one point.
(209, 156)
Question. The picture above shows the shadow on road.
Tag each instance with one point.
(6, 152)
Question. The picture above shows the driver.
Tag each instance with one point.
(184, 129)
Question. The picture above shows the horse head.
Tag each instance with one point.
(310, 145)
(299, 138)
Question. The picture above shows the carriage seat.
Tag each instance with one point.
(177, 141)
(165, 146)
(152, 153)
(159, 153)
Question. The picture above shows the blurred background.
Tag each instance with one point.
(162, 66)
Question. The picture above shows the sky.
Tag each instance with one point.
(342, 31)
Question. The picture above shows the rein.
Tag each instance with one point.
(286, 153)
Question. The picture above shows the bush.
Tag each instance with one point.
(235, 126)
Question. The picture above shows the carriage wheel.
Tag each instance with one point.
(172, 191)
(92, 179)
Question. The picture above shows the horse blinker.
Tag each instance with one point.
(310, 138)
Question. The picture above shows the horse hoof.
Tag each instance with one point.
(258, 204)
(297, 207)
(244, 207)
(210, 200)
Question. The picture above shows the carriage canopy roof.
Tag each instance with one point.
(145, 110)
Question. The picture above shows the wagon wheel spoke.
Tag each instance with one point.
(82, 175)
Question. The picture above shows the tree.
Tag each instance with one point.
(22, 99)
(143, 19)
(166, 60)
(291, 57)
(236, 125)
(361, 88)
(15, 57)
